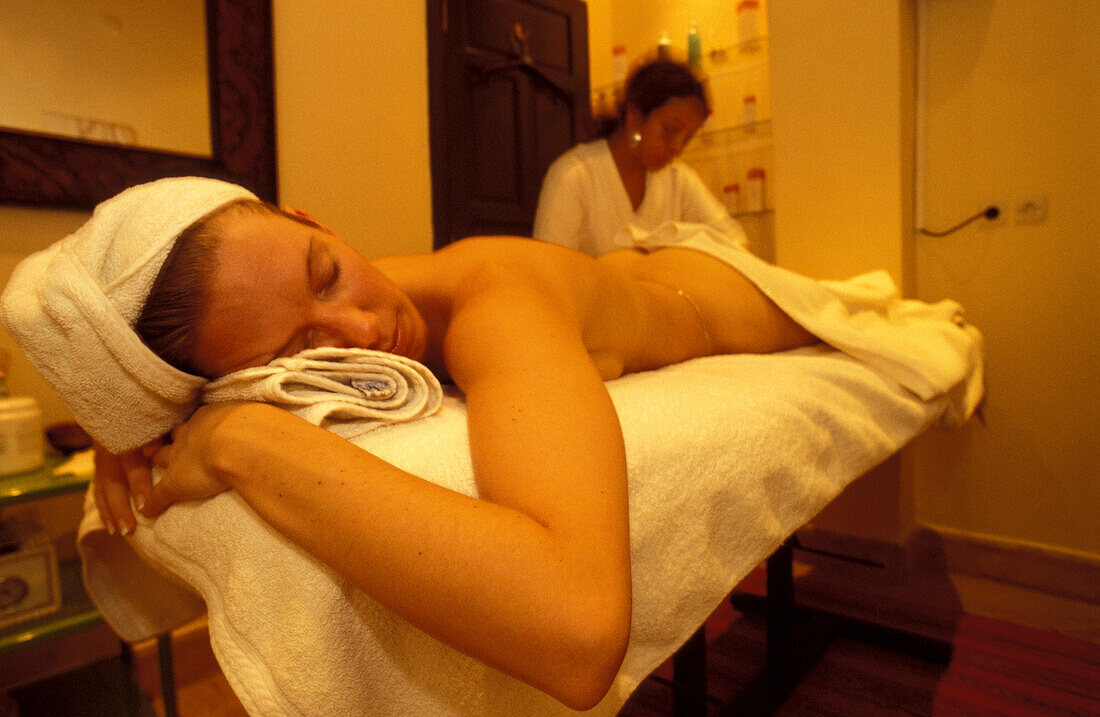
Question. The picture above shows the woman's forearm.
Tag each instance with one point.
(486, 579)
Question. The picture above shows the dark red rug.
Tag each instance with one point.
(996, 669)
(999, 668)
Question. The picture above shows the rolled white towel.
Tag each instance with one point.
(348, 391)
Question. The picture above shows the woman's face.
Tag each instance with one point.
(666, 130)
(281, 286)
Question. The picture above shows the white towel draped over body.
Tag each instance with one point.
(727, 455)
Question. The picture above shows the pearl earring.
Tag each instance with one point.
(635, 140)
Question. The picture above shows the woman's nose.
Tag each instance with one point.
(347, 328)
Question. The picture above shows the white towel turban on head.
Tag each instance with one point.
(72, 308)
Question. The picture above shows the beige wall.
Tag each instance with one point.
(1010, 98)
(351, 86)
(842, 92)
(842, 104)
(1011, 113)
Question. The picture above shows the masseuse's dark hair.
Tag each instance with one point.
(179, 297)
(652, 85)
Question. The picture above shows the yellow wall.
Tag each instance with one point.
(1011, 113)
(842, 112)
(351, 86)
(1010, 97)
(842, 107)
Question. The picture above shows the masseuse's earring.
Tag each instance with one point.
(634, 140)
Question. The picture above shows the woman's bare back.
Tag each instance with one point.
(636, 311)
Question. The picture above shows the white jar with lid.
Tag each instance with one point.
(749, 116)
(20, 435)
(754, 200)
(748, 24)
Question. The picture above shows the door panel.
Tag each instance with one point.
(508, 86)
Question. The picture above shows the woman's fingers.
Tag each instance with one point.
(112, 493)
(118, 478)
(160, 495)
(137, 469)
(101, 506)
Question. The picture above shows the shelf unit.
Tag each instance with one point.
(77, 611)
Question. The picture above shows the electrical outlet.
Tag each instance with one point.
(1030, 210)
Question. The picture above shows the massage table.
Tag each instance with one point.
(727, 457)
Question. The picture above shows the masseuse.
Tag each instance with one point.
(631, 176)
(533, 577)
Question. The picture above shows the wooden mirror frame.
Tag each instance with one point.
(46, 171)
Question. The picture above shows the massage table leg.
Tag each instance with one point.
(167, 674)
(791, 649)
(797, 637)
(689, 677)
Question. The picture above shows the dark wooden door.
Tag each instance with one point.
(508, 86)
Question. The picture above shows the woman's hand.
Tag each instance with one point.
(117, 479)
(190, 465)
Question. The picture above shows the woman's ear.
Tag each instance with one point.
(307, 218)
(632, 118)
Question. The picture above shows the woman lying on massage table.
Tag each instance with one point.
(533, 578)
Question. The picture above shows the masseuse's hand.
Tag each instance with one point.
(117, 479)
(188, 465)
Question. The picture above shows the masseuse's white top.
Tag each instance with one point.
(584, 205)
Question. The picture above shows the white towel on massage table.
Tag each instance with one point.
(727, 456)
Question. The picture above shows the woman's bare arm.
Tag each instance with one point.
(534, 578)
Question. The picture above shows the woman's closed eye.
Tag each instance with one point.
(323, 270)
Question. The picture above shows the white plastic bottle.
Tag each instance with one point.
(754, 190)
(748, 24)
(749, 104)
(731, 197)
(618, 63)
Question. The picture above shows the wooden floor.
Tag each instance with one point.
(1029, 673)
(994, 667)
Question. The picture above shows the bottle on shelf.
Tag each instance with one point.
(754, 190)
(618, 63)
(731, 197)
(748, 102)
(695, 48)
(664, 47)
(748, 24)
